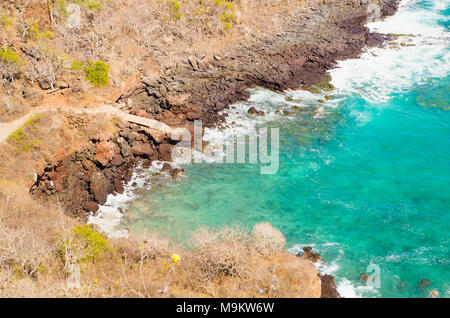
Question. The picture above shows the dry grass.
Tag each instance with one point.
(27, 241)
(221, 264)
(12, 106)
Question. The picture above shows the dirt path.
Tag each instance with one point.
(7, 128)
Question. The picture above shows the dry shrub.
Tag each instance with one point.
(131, 268)
(47, 69)
(226, 253)
(267, 239)
(220, 253)
(28, 232)
(142, 247)
(233, 262)
(11, 106)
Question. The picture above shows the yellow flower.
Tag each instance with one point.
(117, 282)
(95, 281)
(175, 258)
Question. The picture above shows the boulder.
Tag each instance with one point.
(91, 206)
(193, 62)
(156, 135)
(166, 167)
(142, 149)
(118, 185)
(328, 287)
(310, 255)
(44, 84)
(105, 151)
(117, 161)
(175, 172)
(165, 152)
(58, 178)
(178, 100)
(425, 282)
(253, 111)
(125, 150)
(100, 187)
(142, 113)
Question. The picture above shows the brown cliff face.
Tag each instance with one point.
(82, 181)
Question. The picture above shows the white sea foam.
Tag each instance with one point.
(109, 217)
(345, 287)
(277, 107)
(419, 51)
(323, 267)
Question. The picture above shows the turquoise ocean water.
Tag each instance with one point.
(364, 178)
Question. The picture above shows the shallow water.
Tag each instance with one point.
(364, 181)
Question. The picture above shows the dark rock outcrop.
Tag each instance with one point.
(295, 58)
(310, 255)
(329, 289)
(83, 180)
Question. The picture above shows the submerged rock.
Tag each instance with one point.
(175, 172)
(166, 167)
(364, 278)
(310, 255)
(425, 282)
(253, 111)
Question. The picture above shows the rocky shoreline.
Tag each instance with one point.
(199, 89)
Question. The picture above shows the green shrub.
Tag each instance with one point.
(61, 5)
(21, 141)
(33, 31)
(6, 21)
(77, 66)
(175, 9)
(91, 5)
(83, 244)
(8, 55)
(97, 73)
(227, 13)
